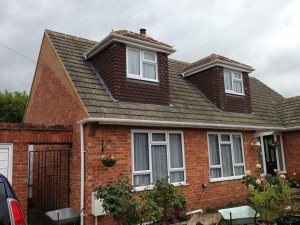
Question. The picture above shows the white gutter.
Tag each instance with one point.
(292, 128)
(112, 37)
(174, 124)
(82, 173)
(227, 65)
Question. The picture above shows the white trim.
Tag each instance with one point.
(142, 60)
(227, 65)
(153, 143)
(9, 146)
(159, 123)
(82, 173)
(112, 37)
(234, 165)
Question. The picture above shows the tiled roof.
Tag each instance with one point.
(140, 37)
(187, 103)
(210, 59)
(289, 111)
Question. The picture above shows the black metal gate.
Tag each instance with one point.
(48, 184)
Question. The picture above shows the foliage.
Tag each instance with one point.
(162, 205)
(12, 106)
(120, 201)
(108, 161)
(165, 204)
(269, 193)
(294, 181)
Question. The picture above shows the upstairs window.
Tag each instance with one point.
(141, 65)
(233, 82)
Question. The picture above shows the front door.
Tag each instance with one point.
(270, 154)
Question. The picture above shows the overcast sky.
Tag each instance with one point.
(263, 34)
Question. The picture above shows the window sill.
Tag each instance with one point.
(212, 180)
(142, 79)
(234, 93)
(151, 187)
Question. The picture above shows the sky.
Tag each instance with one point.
(262, 34)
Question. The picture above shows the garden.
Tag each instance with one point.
(274, 197)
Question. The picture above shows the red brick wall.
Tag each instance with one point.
(291, 144)
(211, 83)
(197, 167)
(20, 135)
(53, 100)
(111, 65)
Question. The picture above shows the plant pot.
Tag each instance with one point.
(266, 222)
(286, 220)
(109, 162)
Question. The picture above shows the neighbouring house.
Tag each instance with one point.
(198, 123)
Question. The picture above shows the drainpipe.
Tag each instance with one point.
(82, 173)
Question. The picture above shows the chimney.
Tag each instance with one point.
(143, 31)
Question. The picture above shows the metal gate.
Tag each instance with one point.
(48, 184)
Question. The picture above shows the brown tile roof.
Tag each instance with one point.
(289, 111)
(212, 58)
(137, 36)
(187, 103)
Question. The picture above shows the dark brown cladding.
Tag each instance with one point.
(111, 66)
(211, 83)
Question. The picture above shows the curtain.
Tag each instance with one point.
(228, 80)
(176, 151)
(158, 137)
(226, 161)
(159, 162)
(177, 176)
(214, 155)
(134, 62)
(237, 149)
(237, 86)
(141, 180)
(141, 152)
(149, 71)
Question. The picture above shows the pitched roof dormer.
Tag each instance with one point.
(134, 67)
(223, 81)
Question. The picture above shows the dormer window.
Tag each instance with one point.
(141, 65)
(233, 82)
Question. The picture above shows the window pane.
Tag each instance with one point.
(225, 137)
(159, 162)
(215, 173)
(228, 80)
(141, 180)
(176, 176)
(238, 87)
(226, 161)
(176, 151)
(148, 56)
(280, 156)
(214, 155)
(237, 149)
(133, 62)
(141, 152)
(149, 71)
(237, 76)
(239, 171)
(158, 137)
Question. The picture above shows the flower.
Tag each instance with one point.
(258, 166)
(108, 161)
(282, 176)
(248, 172)
(258, 181)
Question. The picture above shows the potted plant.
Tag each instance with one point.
(108, 161)
(269, 194)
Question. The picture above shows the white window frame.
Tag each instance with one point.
(10, 159)
(150, 143)
(233, 79)
(232, 155)
(142, 60)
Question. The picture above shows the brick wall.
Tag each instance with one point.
(54, 100)
(111, 65)
(21, 135)
(211, 83)
(197, 167)
(291, 144)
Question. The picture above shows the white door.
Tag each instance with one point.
(6, 160)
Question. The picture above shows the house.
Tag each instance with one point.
(201, 123)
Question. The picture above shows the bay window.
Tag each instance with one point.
(156, 155)
(226, 156)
